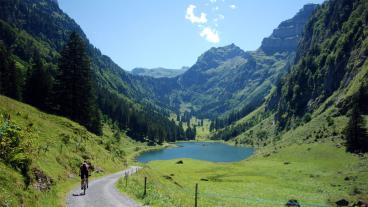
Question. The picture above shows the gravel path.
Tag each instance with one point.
(102, 193)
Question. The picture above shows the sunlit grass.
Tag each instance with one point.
(314, 174)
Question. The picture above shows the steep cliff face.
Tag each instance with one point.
(287, 35)
(331, 53)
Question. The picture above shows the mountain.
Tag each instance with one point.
(227, 79)
(158, 72)
(324, 95)
(287, 35)
(331, 55)
(33, 27)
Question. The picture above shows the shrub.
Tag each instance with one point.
(11, 149)
(307, 117)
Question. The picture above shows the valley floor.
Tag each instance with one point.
(315, 174)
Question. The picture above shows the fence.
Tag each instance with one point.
(217, 199)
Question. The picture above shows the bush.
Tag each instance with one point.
(330, 121)
(307, 117)
(11, 150)
(10, 137)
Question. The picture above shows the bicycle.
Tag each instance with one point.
(84, 185)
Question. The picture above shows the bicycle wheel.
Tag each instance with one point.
(84, 186)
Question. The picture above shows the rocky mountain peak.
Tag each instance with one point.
(217, 55)
(287, 35)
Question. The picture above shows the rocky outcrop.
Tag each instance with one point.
(287, 35)
(42, 181)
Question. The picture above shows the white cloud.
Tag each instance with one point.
(210, 35)
(213, 1)
(193, 18)
(232, 6)
(218, 18)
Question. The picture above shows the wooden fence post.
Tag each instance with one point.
(196, 195)
(126, 179)
(145, 186)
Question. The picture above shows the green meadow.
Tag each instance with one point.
(315, 174)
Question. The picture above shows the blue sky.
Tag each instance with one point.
(173, 33)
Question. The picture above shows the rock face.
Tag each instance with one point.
(286, 36)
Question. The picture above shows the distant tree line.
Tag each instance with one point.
(228, 132)
(233, 116)
(144, 125)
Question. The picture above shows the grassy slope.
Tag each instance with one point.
(57, 159)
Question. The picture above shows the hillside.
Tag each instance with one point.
(45, 164)
(158, 72)
(40, 27)
(331, 55)
(329, 69)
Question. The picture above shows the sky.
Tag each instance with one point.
(173, 33)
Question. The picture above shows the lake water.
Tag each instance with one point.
(210, 151)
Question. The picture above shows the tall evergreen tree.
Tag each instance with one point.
(38, 85)
(356, 132)
(9, 75)
(74, 97)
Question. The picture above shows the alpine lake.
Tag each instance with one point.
(208, 151)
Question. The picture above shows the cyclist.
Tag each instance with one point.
(84, 173)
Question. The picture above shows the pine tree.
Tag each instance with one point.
(9, 75)
(212, 126)
(74, 97)
(194, 132)
(38, 85)
(356, 133)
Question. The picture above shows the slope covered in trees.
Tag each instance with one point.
(332, 52)
(329, 68)
(34, 32)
